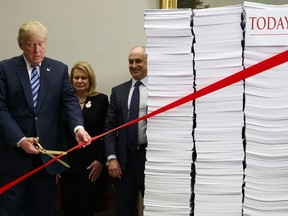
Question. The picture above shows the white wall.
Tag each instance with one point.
(100, 32)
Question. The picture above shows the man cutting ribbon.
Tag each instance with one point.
(27, 112)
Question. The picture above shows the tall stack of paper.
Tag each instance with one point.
(219, 115)
(170, 77)
(266, 113)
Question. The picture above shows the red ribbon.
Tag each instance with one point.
(241, 75)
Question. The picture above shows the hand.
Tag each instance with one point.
(114, 168)
(82, 136)
(28, 144)
(96, 168)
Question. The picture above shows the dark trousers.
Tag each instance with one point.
(79, 196)
(131, 183)
(73, 213)
(33, 196)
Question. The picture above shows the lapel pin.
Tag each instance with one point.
(88, 104)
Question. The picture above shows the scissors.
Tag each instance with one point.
(51, 153)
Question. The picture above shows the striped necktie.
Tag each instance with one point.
(35, 84)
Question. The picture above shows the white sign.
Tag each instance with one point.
(266, 27)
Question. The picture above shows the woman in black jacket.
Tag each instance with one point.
(81, 184)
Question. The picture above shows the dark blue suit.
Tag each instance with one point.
(132, 162)
(116, 143)
(18, 119)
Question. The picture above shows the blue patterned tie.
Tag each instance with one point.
(133, 114)
(35, 84)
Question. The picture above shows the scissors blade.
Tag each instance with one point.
(51, 153)
(59, 160)
(55, 152)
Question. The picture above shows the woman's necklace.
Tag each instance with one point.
(83, 101)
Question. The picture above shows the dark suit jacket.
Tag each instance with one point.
(18, 119)
(94, 114)
(116, 142)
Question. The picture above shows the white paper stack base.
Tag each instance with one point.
(170, 143)
(219, 115)
(266, 114)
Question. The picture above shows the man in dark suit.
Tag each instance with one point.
(126, 161)
(22, 119)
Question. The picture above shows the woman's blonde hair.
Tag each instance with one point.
(86, 68)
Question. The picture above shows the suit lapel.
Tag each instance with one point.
(21, 70)
(125, 95)
(44, 82)
(85, 109)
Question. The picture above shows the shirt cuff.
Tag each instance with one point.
(77, 128)
(110, 157)
(18, 143)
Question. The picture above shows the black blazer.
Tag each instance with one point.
(18, 119)
(94, 114)
(116, 142)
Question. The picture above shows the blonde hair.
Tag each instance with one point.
(31, 29)
(87, 68)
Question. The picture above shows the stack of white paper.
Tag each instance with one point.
(170, 143)
(219, 115)
(266, 111)
(206, 157)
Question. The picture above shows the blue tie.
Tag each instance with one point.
(133, 114)
(35, 84)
